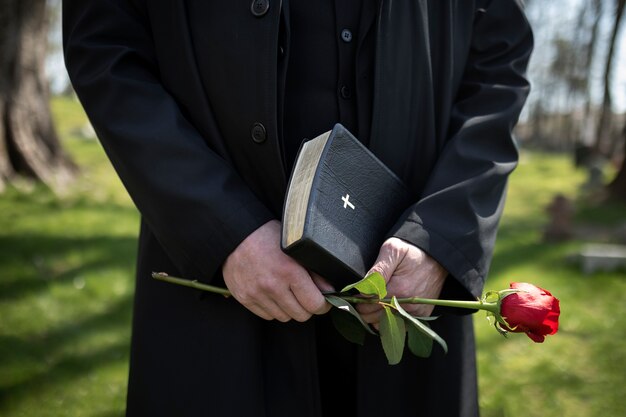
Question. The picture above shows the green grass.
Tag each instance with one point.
(66, 286)
(580, 371)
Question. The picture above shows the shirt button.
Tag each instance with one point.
(259, 7)
(345, 92)
(346, 36)
(258, 132)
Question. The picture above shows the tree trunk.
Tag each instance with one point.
(29, 145)
(604, 126)
(588, 116)
(617, 187)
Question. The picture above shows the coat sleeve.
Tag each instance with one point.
(456, 219)
(194, 202)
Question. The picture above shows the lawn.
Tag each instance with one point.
(581, 371)
(66, 286)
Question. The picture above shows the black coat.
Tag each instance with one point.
(183, 96)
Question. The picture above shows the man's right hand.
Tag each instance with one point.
(270, 283)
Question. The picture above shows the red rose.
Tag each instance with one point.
(533, 311)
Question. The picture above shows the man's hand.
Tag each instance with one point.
(270, 283)
(409, 272)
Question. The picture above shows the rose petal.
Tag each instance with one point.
(537, 338)
(533, 311)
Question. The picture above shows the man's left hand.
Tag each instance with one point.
(409, 272)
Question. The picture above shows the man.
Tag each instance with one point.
(201, 105)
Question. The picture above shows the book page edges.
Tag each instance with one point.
(299, 190)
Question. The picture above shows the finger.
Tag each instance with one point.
(421, 310)
(364, 308)
(324, 286)
(309, 296)
(387, 261)
(292, 306)
(275, 297)
(371, 318)
(325, 310)
(268, 311)
(321, 283)
(262, 304)
(282, 304)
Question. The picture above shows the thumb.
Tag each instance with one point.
(322, 284)
(389, 257)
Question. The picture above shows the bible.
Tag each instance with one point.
(340, 204)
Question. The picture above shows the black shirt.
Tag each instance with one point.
(328, 66)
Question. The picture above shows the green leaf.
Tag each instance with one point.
(372, 284)
(427, 318)
(491, 297)
(343, 305)
(392, 335)
(348, 326)
(419, 344)
(419, 325)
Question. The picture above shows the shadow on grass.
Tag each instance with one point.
(522, 243)
(30, 263)
(66, 369)
(97, 335)
(115, 318)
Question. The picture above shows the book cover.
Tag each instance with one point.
(340, 204)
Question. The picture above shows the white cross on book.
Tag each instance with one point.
(346, 201)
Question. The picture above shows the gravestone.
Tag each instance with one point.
(602, 257)
(560, 212)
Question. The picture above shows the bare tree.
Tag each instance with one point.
(605, 120)
(29, 145)
(595, 13)
(560, 72)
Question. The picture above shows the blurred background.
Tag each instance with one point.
(68, 229)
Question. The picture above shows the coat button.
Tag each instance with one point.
(345, 92)
(259, 7)
(346, 36)
(258, 132)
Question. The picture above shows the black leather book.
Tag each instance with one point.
(340, 204)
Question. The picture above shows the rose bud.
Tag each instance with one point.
(531, 310)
